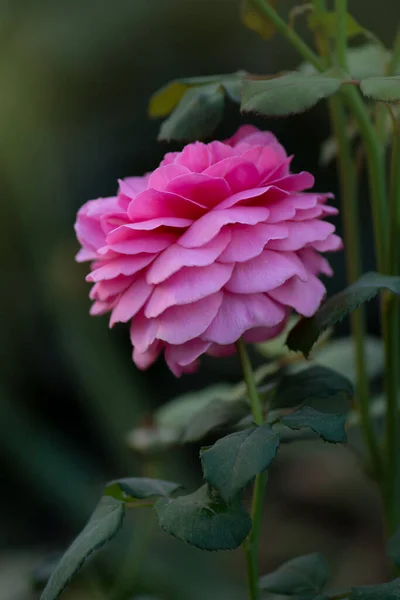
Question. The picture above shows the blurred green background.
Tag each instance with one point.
(76, 76)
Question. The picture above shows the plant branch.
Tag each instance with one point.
(250, 545)
(281, 26)
(349, 206)
(341, 38)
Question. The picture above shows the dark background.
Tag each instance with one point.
(76, 76)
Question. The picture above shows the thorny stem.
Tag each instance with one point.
(250, 545)
(350, 212)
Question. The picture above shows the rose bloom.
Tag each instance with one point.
(219, 242)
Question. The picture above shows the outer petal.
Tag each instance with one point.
(249, 241)
(179, 324)
(262, 334)
(302, 233)
(195, 157)
(204, 189)
(131, 301)
(143, 360)
(105, 290)
(143, 332)
(239, 313)
(265, 272)
(123, 265)
(314, 262)
(152, 204)
(141, 242)
(304, 297)
(176, 256)
(184, 354)
(161, 177)
(210, 224)
(332, 243)
(187, 286)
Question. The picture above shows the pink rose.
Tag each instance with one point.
(219, 242)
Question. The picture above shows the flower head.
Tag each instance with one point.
(219, 242)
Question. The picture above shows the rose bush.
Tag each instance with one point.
(220, 241)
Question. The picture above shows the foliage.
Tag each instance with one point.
(301, 575)
(204, 520)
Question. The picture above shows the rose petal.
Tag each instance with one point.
(332, 243)
(239, 313)
(302, 233)
(314, 262)
(207, 191)
(142, 242)
(210, 224)
(176, 256)
(184, 354)
(143, 360)
(131, 301)
(124, 265)
(304, 297)
(161, 177)
(265, 272)
(249, 241)
(187, 286)
(152, 204)
(179, 324)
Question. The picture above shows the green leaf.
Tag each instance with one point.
(192, 416)
(163, 102)
(393, 547)
(257, 21)
(329, 426)
(179, 412)
(367, 60)
(326, 24)
(384, 591)
(216, 414)
(139, 488)
(304, 335)
(384, 89)
(313, 383)
(196, 116)
(302, 575)
(102, 527)
(233, 461)
(204, 520)
(290, 93)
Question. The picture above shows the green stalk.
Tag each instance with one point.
(350, 213)
(376, 171)
(281, 26)
(395, 60)
(250, 545)
(390, 325)
(341, 38)
(349, 207)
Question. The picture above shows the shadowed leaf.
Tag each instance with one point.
(329, 426)
(139, 488)
(306, 332)
(302, 575)
(234, 460)
(393, 547)
(102, 527)
(384, 591)
(290, 93)
(313, 383)
(196, 116)
(384, 89)
(204, 520)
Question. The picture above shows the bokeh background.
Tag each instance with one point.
(76, 76)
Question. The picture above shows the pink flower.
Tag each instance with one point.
(219, 242)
